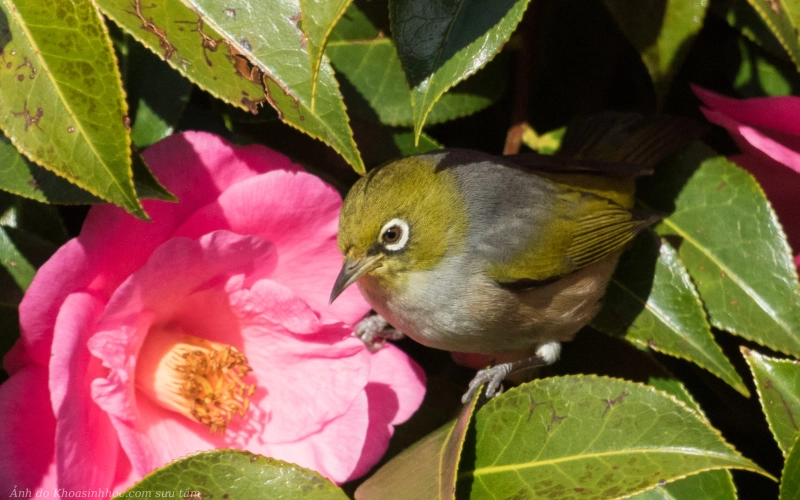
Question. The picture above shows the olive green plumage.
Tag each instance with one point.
(470, 252)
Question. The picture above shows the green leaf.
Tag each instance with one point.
(318, 19)
(234, 474)
(267, 34)
(432, 462)
(376, 88)
(741, 16)
(790, 479)
(662, 31)
(652, 303)
(708, 485)
(157, 94)
(760, 75)
(731, 243)
(30, 233)
(590, 436)
(778, 385)
(442, 42)
(547, 143)
(176, 34)
(784, 25)
(22, 177)
(63, 104)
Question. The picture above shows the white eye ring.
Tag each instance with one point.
(400, 243)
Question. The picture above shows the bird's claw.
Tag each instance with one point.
(374, 331)
(546, 354)
(492, 377)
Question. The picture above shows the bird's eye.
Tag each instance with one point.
(394, 234)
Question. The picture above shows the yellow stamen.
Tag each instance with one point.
(195, 377)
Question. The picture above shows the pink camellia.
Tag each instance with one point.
(767, 131)
(207, 328)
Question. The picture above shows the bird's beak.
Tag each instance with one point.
(352, 269)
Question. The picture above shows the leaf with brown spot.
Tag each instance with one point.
(731, 232)
(266, 35)
(778, 385)
(646, 439)
(175, 33)
(62, 102)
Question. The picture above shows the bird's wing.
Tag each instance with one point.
(584, 228)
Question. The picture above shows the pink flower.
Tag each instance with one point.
(767, 131)
(207, 328)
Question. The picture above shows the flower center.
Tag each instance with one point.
(198, 378)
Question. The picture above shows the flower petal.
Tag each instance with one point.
(775, 113)
(271, 305)
(196, 167)
(298, 213)
(86, 443)
(66, 271)
(159, 436)
(307, 380)
(751, 140)
(392, 368)
(336, 449)
(27, 431)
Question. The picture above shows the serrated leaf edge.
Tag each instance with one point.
(701, 418)
(269, 77)
(317, 62)
(747, 353)
(739, 385)
(765, 17)
(419, 123)
(136, 35)
(136, 205)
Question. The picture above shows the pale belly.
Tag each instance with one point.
(445, 310)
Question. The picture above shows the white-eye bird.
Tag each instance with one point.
(509, 256)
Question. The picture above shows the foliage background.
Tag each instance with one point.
(341, 86)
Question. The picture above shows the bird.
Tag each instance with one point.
(502, 255)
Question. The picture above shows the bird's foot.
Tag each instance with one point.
(493, 377)
(374, 331)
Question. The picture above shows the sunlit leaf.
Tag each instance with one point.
(268, 36)
(318, 19)
(22, 177)
(373, 69)
(730, 241)
(442, 42)
(586, 436)
(662, 32)
(652, 303)
(178, 35)
(236, 475)
(708, 485)
(157, 94)
(63, 104)
(778, 385)
(790, 479)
